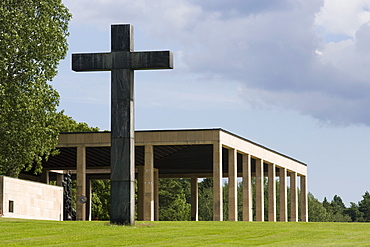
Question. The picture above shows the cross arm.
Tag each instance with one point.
(152, 60)
(142, 60)
(92, 62)
(122, 60)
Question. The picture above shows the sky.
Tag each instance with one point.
(291, 75)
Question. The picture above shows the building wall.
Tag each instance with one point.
(30, 200)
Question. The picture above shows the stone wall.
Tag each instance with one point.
(30, 200)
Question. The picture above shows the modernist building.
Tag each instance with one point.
(196, 153)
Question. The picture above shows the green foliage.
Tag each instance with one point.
(337, 205)
(186, 188)
(360, 212)
(33, 41)
(225, 201)
(354, 212)
(173, 205)
(100, 199)
(205, 200)
(239, 195)
(67, 124)
(340, 217)
(175, 202)
(317, 211)
(335, 211)
(338, 210)
(364, 206)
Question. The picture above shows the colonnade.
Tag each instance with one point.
(148, 198)
(148, 189)
(245, 160)
(247, 189)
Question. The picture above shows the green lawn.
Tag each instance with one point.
(97, 233)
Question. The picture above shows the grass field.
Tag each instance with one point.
(97, 233)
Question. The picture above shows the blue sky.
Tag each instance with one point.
(292, 75)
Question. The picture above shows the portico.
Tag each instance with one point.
(196, 153)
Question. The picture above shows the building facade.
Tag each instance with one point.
(30, 200)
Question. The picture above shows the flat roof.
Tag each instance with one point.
(205, 129)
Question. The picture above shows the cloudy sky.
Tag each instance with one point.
(292, 75)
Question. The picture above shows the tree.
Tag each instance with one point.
(327, 205)
(33, 41)
(364, 206)
(337, 204)
(172, 200)
(338, 210)
(354, 213)
(67, 124)
(205, 199)
(316, 210)
(100, 199)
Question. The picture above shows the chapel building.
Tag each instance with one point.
(193, 154)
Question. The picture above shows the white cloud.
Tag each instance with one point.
(154, 16)
(273, 48)
(343, 16)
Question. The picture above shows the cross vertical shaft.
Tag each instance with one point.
(122, 203)
(122, 147)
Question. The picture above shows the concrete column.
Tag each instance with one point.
(89, 201)
(283, 195)
(45, 176)
(194, 199)
(304, 206)
(217, 182)
(81, 183)
(60, 178)
(149, 183)
(140, 193)
(260, 211)
(271, 192)
(2, 195)
(156, 195)
(293, 197)
(247, 188)
(233, 195)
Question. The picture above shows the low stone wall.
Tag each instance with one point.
(30, 200)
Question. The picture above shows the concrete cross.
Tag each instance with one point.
(122, 61)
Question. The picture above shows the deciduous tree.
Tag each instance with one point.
(172, 200)
(100, 199)
(317, 211)
(67, 124)
(206, 199)
(32, 42)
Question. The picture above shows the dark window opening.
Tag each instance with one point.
(11, 206)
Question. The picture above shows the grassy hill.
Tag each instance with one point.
(97, 233)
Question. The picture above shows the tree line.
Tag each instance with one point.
(175, 203)
(336, 210)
